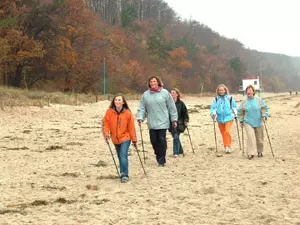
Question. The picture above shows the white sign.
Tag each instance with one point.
(252, 81)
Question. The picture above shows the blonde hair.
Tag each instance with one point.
(252, 87)
(222, 86)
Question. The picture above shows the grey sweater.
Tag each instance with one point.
(159, 107)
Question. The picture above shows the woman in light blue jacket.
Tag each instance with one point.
(224, 110)
(253, 112)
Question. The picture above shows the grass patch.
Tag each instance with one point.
(54, 147)
(21, 97)
(70, 175)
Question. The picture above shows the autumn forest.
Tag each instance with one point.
(60, 45)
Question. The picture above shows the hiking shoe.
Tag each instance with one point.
(250, 157)
(260, 154)
(227, 150)
(124, 179)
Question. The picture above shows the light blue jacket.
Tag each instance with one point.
(252, 110)
(222, 108)
(159, 107)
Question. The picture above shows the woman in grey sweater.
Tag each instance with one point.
(157, 104)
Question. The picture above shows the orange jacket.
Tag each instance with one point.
(119, 127)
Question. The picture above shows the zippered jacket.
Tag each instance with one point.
(119, 126)
(183, 116)
(159, 108)
(252, 110)
(224, 107)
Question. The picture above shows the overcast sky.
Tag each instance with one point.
(264, 25)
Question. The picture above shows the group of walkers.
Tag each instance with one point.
(167, 112)
(251, 113)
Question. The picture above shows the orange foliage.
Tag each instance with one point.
(118, 42)
(178, 59)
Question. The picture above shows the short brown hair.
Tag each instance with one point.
(160, 83)
(252, 87)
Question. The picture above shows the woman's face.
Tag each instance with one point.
(221, 91)
(153, 83)
(174, 95)
(118, 102)
(250, 92)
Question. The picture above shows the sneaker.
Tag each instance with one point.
(250, 157)
(124, 179)
(227, 150)
(175, 156)
(260, 154)
(161, 165)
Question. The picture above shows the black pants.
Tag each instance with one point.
(159, 144)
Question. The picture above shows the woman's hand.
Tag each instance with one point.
(106, 138)
(135, 145)
(140, 122)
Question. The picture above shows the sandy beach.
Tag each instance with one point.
(57, 169)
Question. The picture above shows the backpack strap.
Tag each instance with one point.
(232, 107)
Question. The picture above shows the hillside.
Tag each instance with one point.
(61, 45)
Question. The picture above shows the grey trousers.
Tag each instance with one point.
(255, 139)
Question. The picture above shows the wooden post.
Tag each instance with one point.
(76, 98)
(2, 105)
(40, 103)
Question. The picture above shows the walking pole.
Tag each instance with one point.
(215, 135)
(187, 128)
(113, 158)
(243, 139)
(243, 142)
(140, 158)
(237, 129)
(269, 138)
(142, 143)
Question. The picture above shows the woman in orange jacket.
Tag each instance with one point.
(118, 124)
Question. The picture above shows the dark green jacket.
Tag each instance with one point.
(183, 116)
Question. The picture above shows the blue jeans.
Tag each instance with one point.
(177, 147)
(122, 151)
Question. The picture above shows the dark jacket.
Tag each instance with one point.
(183, 116)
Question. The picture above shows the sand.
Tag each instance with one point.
(57, 169)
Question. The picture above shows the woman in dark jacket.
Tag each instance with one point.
(183, 119)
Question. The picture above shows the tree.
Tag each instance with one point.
(157, 44)
(21, 52)
(128, 15)
(238, 67)
(178, 59)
